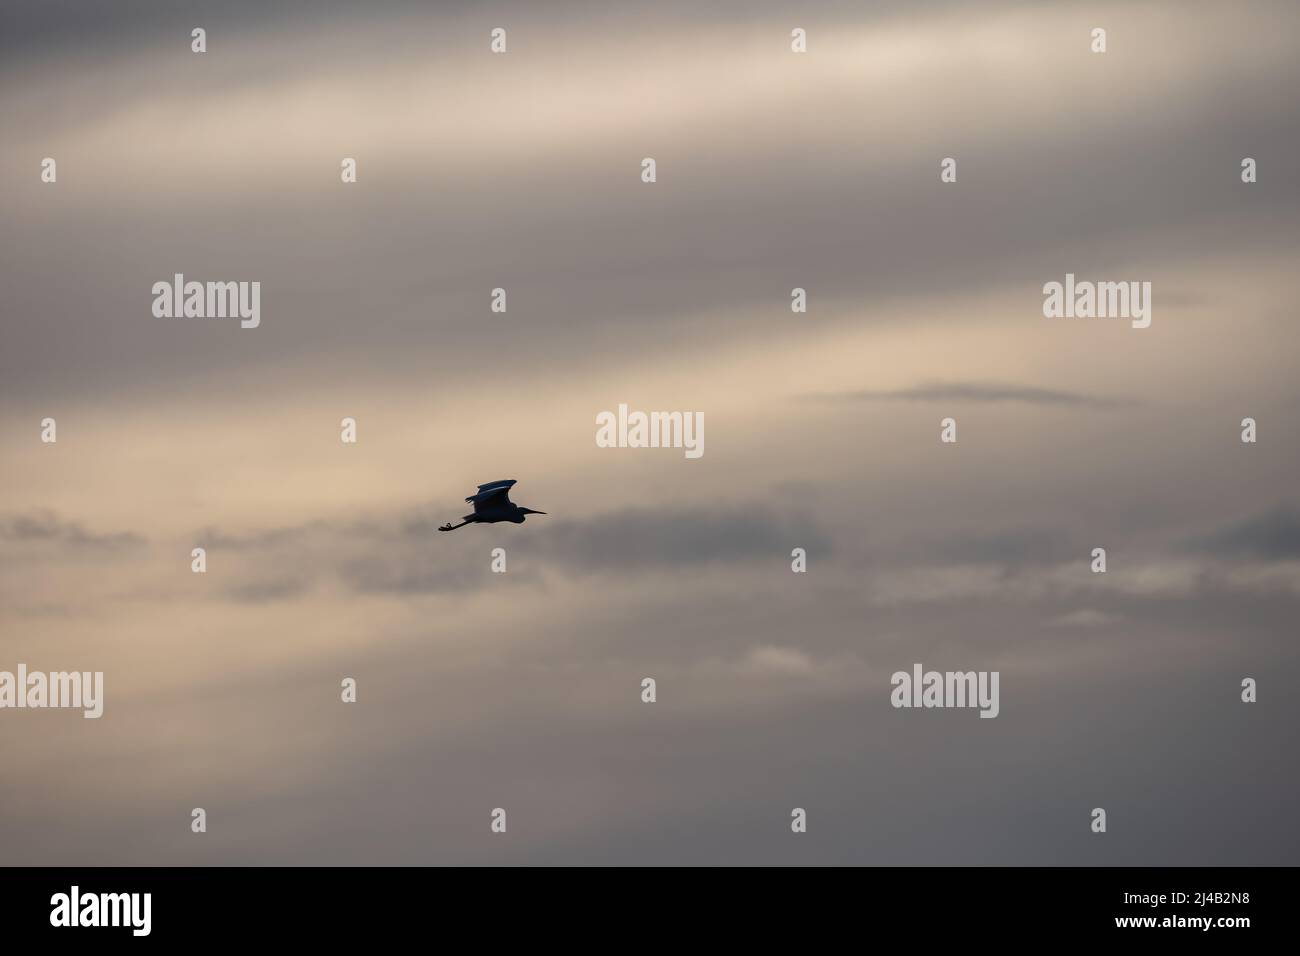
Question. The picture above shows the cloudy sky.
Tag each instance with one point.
(522, 690)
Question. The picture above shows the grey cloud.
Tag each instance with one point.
(397, 574)
(408, 555)
(1273, 535)
(680, 537)
(979, 392)
(261, 592)
(1084, 617)
(1037, 546)
(413, 557)
(44, 525)
(29, 30)
(215, 538)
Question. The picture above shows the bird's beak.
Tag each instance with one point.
(537, 512)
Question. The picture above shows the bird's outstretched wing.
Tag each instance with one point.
(492, 496)
(491, 489)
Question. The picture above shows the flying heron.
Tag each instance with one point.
(493, 504)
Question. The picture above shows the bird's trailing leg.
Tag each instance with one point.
(452, 527)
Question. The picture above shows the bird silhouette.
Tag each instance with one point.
(493, 504)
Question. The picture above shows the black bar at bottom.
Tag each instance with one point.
(670, 906)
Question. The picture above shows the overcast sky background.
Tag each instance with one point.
(480, 690)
